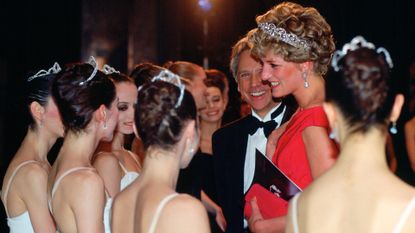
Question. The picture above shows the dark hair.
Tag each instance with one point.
(159, 123)
(76, 102)
(120, 78)
(216, 78)
(144, 72)
(362, 89)
(38, 90)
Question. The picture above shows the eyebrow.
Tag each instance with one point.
(270, 60)
(243, 71)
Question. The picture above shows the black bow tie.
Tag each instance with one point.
(268, 126)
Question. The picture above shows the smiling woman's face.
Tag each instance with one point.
(285, 77)
(215, 105)
(127, 96)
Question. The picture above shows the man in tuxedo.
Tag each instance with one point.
(234, 144)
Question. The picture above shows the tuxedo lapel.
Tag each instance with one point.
(236, 174)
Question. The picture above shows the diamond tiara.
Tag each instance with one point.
(356, 43)
(281, 34)
(53, 70)
(170, 77)
(109, 70)
(94, 64)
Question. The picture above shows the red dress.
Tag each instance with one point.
(290, 157)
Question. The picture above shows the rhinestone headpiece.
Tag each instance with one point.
(52, 70)
(170, 77)
(282, 35)
(109, 70)
(93, 63)
(356, 43)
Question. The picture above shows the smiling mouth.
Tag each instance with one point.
(274, 84)
(258, 93)
(212, 113)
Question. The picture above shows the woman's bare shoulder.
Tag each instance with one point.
(187, 214)
(105, 157)
(29, 174)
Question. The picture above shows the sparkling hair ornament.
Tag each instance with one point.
(53, 70)
(356, 43)
(94, 64)
(170, 77)
(109, 70)
(282, 35)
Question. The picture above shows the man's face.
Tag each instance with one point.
(253, 90)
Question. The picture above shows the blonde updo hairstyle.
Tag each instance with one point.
(306, 23)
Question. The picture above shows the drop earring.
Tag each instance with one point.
(393, 128)
(306, 84)
(105, 125)
(333, 134)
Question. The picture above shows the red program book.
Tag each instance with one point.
(271, 187)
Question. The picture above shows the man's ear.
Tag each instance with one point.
(37, 111)
(396, 108)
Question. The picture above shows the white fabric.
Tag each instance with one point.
(157, 214)
(256, 141)
(107, 215)
(20, 223)
(129, 176)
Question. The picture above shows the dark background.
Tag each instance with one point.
(35, 34)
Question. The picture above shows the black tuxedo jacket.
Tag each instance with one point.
(229, 148)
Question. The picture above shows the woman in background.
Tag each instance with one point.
(360, 105)
(24, 188)
(216, 101)
(202, 164)
(87, 103)
(118, 166)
